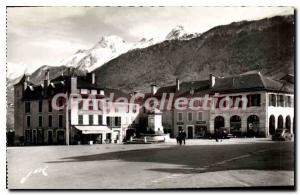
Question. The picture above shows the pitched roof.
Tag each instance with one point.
(166, 89)
(289, 78)
(117, 93)
(83, 83)
(250, 82)
(196, 86)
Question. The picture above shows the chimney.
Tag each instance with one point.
(26, 81)
(47, 79)
(212, 80)
(177, 84)
(153, 89)
(93, 78)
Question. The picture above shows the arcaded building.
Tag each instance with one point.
(269, 105)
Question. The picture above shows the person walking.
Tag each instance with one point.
(177, 138)
(183, 136)
(180, 137)
(216, 135)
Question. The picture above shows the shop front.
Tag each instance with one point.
(92, 134)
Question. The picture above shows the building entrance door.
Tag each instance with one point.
(50, 137)
(190, 130)
(60, 137)
(34, 137)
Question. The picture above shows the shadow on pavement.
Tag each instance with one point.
(198, 159)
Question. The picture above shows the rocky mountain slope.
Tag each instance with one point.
(266, 45)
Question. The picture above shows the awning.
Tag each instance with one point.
(93, 129)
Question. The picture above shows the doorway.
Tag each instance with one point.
(34, 136)
(190, 131)
(219, 122)
(272, 125)
(60, 137)
(50, 137)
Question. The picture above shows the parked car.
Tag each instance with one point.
(224, 133)
(282, 135)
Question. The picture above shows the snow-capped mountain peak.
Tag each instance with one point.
(179, 33)
(110, 47)
(176, 33)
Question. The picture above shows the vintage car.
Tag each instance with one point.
(282, 135)
(223, 133)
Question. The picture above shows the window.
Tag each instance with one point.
(49, 106)
(50, 121)
(27, 107)
(198, 103)
(80, 104)
(28, 121)
(200, 116)
(60, 121)
(237, 101)
(91, 119)
(221, 102)
(117, 121)
(179, 116)
(40, 121)
(28, 135)
(288, 101)
(80, 119)
(280, 100)
(100, 119)
(253, 100)
(113, 121)
(91, 105)
(40, 106)
(109, 121)
(272, 100)
(190, 116)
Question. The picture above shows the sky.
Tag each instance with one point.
(39, 36)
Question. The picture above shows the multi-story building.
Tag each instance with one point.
(268, 105)
(38, 121)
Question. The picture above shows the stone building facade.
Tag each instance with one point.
(37, 122)
(268, 106)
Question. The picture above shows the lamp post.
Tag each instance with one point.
(67, 122)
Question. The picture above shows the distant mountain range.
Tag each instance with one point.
(265, 45)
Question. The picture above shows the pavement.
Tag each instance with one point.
(198, 164)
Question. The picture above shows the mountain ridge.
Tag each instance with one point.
(265, 45)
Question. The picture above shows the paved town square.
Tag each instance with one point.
(198, 164)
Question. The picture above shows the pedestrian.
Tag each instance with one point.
(216, 135)
(180, 137)
(183, 136)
